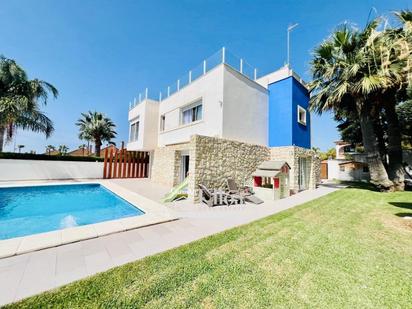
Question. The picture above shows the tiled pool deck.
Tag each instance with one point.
(34, 272)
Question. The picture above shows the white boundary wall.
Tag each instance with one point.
(15, 170)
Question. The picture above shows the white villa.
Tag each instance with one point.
(223, 122)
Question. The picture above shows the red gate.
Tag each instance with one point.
(125, 164)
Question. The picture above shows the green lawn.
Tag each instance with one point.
(350, 249)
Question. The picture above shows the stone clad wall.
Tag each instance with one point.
(216, 159)
(165, 164)
(213, 160)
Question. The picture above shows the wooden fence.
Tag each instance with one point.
(125, 164)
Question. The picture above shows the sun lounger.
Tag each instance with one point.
(216, 198)
(242, 191)
(253, 199)
(235, 189)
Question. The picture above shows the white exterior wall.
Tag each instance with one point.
(148, 114)
(17, 170)
(333, 169)
(209, 88)
(245, 109)
(282, 73)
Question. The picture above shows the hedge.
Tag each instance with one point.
(30, 156)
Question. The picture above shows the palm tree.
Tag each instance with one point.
(63, 150)
(19, 101)
(394, 48)
(97, 127)
(83, 147)
(20, 147)
(342, 81)
(49, 149)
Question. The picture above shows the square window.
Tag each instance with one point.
(301, 115)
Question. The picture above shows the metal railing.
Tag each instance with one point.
(221, 56)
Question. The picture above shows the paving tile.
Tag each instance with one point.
(9, 281)
(108, 227)
(18, 259)
(68, 277)
(131, 236)
(160, 229)
(93, 246)
(9, 247)
(78, 233)
(98, 262)
(39, 241)
(70, 261)
(119, 251)
(141, 249)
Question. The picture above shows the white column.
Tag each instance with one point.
(255, 74)
(140, 97)
(168, 91)
(160, 96)
(190, 77)
(146, 93)
(223, 55)
(178, 84)
(204, 67)
(241, 65)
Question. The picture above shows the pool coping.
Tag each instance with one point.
(154, 213)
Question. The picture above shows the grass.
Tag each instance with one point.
(351, 248)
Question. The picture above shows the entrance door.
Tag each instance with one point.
(303, 177)
(184, 167)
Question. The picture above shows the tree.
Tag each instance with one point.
(341, 82)
(396, 47)
(97, 127)
(19, 101)
(50, 149)
(63, 149)
(404, 111)
(330, 153)
(388, 54)
(83, 147)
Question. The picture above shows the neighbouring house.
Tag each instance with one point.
(112, 148)
(223, 121)
(80, 152)
(348, 165)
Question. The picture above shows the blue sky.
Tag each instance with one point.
(100, 54)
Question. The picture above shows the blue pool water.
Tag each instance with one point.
(37, 209)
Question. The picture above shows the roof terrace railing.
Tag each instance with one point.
(221, 56)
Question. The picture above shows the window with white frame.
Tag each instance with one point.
(301, 115)
(134, 131)
(192, 113)
(162, 122)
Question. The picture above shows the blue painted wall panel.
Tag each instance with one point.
(300, 133)
(284, 129)
(280, 109)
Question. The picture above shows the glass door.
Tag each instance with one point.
(303, 177)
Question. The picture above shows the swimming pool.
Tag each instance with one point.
(37, 209)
